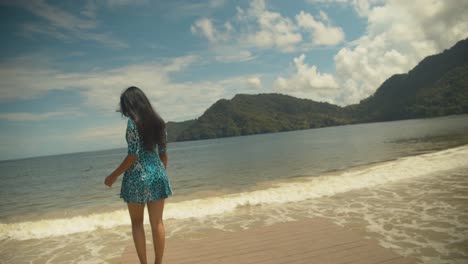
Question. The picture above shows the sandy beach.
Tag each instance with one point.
(315, 240)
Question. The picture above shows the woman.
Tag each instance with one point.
(145, 181)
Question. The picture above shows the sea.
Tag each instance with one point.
(402, 183)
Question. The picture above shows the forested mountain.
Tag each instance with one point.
(437, 86)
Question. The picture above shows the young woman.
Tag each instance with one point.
(145, 181)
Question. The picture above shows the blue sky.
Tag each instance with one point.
(63, 64)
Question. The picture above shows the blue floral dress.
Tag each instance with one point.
(146, 180)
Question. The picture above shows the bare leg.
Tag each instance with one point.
(138, 231)
(155, 211)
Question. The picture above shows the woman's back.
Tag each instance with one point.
(146, 180)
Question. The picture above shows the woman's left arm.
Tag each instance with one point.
(126, 163)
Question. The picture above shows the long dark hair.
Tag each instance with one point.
(151, 127)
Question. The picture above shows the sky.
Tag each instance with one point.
(64, 64)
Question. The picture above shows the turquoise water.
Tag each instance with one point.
(240, 182)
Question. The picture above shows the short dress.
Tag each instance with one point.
(146, 180)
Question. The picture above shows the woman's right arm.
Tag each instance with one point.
(125, 165)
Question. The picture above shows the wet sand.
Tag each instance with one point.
(308, 241)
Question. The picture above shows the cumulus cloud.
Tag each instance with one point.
(274, 30)
(322, 34)
(255, 82)
(399, 35)
(307, 82)
(204, 27)
(221, 41)
(257, 27)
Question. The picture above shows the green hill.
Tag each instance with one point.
(437, 86)
(262, 113)
(175, 128)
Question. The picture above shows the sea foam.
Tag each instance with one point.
(286, 192)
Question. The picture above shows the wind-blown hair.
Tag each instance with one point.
(151, 127)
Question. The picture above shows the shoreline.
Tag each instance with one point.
(266, 193)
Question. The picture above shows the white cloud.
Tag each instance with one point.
(321, 34)
(28, 116)
(399, 35)
(274, 30)
(227, 54)
(362, 7)
(257, 27)
(26, 77)
(23, 79)
(255, 82)
(57, 17)
(204, 27)
(221, 48)
(307, 82)
(63, 25)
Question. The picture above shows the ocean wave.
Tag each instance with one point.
(278, 193)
